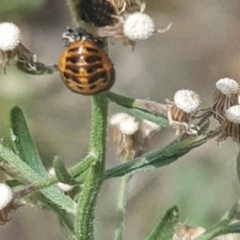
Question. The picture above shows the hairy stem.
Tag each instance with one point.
(84, 223)
(122, 197)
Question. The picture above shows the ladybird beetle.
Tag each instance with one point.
(85, 68)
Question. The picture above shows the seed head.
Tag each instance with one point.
(148, 128)
(129, 125)
(130, 136)
(187, 100)
(184, 232)
(9, 36)
(118, 118)
(138, 26)
(225, 96)
(231, 125)
(227, 86)
(6, 195)
(233, 114)
(181, 111)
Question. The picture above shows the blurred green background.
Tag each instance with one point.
(201, 47)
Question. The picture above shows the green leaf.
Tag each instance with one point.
(65, 220)
(159, 158)
(149, 116)
(62, 173)
(143, 109)
(27, 175)
(23, 142)
(164, 229)
(232, 228)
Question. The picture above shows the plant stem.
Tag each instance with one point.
(84, 222)
(122, 198)
(121, 207)
(149, 110)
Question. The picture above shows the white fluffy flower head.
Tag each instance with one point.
(227, 86)
(138, 26)
(187, 100)
(6, 195)
(9, 36)
(129, 125)
(116, 119)
(233, 114)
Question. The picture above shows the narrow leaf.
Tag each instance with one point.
(232, 228)
(159, 158)
(164, 229)
(28, 176)
(23, 141)
(62, 173)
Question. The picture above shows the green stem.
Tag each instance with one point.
(121, 207)
(84, 222)
(99, 126)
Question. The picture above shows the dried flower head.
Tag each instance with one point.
(138, 26)
(187, 100)
(124, 128)
(9, 41)
(6, 195)
(186, 103)
(6, 203)
(144, 135)
(148, 129)
(124, 7)
(231, 124)
(130, 136)
(117, 118)
(184, 232)
(9, 36)
(122, 19)
(225, 96)
(61, 186)
(129, 126)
